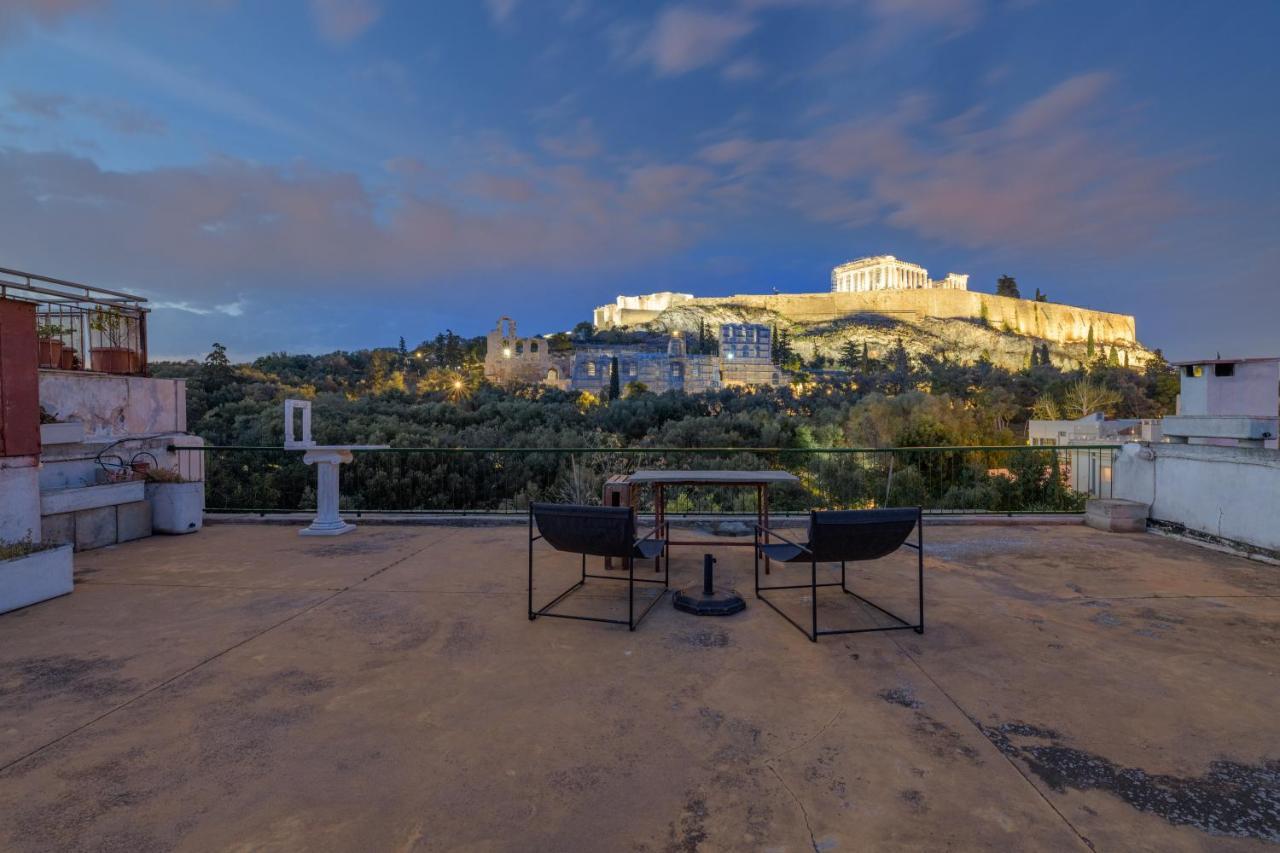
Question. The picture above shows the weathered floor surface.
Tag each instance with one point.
(245, 689)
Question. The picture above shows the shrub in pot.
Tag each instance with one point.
(115, 355)
(177, 505)
(31, 573)
(49, 336)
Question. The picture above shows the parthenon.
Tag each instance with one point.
(885, 272)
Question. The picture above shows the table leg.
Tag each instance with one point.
(762, 510)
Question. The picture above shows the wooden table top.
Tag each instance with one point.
(713, 478)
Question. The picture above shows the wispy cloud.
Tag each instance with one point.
(341, 21)
(16, 15)
(119, 116)
(685, 38)
(1052, 173)
(229, 309)
(501, 10)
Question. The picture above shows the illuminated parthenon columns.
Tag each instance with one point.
(885, 272)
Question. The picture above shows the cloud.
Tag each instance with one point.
(742, 69)
(685, 38)
(229, 309)
(342, 21)
(1053, 173)
(500, 10)
(199, 235)
(16, 15)
(118, 116)
(580, 144)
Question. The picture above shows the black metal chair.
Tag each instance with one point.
(844, 537)
(601, 531)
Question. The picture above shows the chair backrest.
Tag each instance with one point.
(860, 534)
(602, 531)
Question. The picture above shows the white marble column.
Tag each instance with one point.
(328, 522)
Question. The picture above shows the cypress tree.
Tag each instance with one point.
(1088, 343)
(614, 383)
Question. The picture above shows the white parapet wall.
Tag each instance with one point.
(1224, 494)
(115, 405)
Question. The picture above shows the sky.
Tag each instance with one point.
(308, 175)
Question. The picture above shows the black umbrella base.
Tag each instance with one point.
(721, 602)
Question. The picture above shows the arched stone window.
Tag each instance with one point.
(519, 347)
(533, 346)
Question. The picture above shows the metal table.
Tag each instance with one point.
(759, 480)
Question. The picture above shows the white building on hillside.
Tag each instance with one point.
(885, 272)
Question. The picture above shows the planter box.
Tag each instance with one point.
(77, 498)
(176, 507)
(71, 432)
(35, 577)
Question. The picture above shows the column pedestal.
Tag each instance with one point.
(327, 521)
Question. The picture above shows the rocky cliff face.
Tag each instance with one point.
(1006, 336)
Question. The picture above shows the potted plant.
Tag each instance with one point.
(177, 505)
(116, 356)
(54, 431)
(31, 572)
(70, 358)
(50, 342)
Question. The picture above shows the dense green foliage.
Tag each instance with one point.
(435, 397)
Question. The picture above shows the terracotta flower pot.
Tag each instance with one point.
(69, 356)
(50, 352)
(114, 360)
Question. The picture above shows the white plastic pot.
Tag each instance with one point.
(35, 577)
(176, 507)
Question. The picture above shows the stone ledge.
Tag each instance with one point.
(1115, 515)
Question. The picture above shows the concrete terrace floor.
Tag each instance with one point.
(247, 689)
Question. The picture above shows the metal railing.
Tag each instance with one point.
(1003, 480)
(82, 327)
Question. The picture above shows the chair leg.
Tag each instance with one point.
(756, 552)
(920, 568)
(813, 598)
(532, 615)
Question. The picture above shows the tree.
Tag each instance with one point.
(1084, 397)
(636, 388)
(583, 331)
(984, 315)
(1041, 297)
(1045, 408)
(614, 380)
(404, 352)
(1089, 346)
(1044, 356)
(216, 371)
(850, 355)
(1007, 285)
(1113, 360)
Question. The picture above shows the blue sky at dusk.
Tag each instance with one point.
(306, 175)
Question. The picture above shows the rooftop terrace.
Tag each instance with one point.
(244, 688)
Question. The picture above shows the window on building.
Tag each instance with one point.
(533, 346)
(591, 368)
(1194, 370)
(519, 347)
(1224, 370)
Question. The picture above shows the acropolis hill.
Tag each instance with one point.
(879, 300)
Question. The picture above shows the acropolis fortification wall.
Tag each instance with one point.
(1048, 320)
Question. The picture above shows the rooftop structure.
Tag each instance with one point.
(885, 272)
(1228, 401)
(1096, 428)
(248, 689)
(673, 370)
(746, 355)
